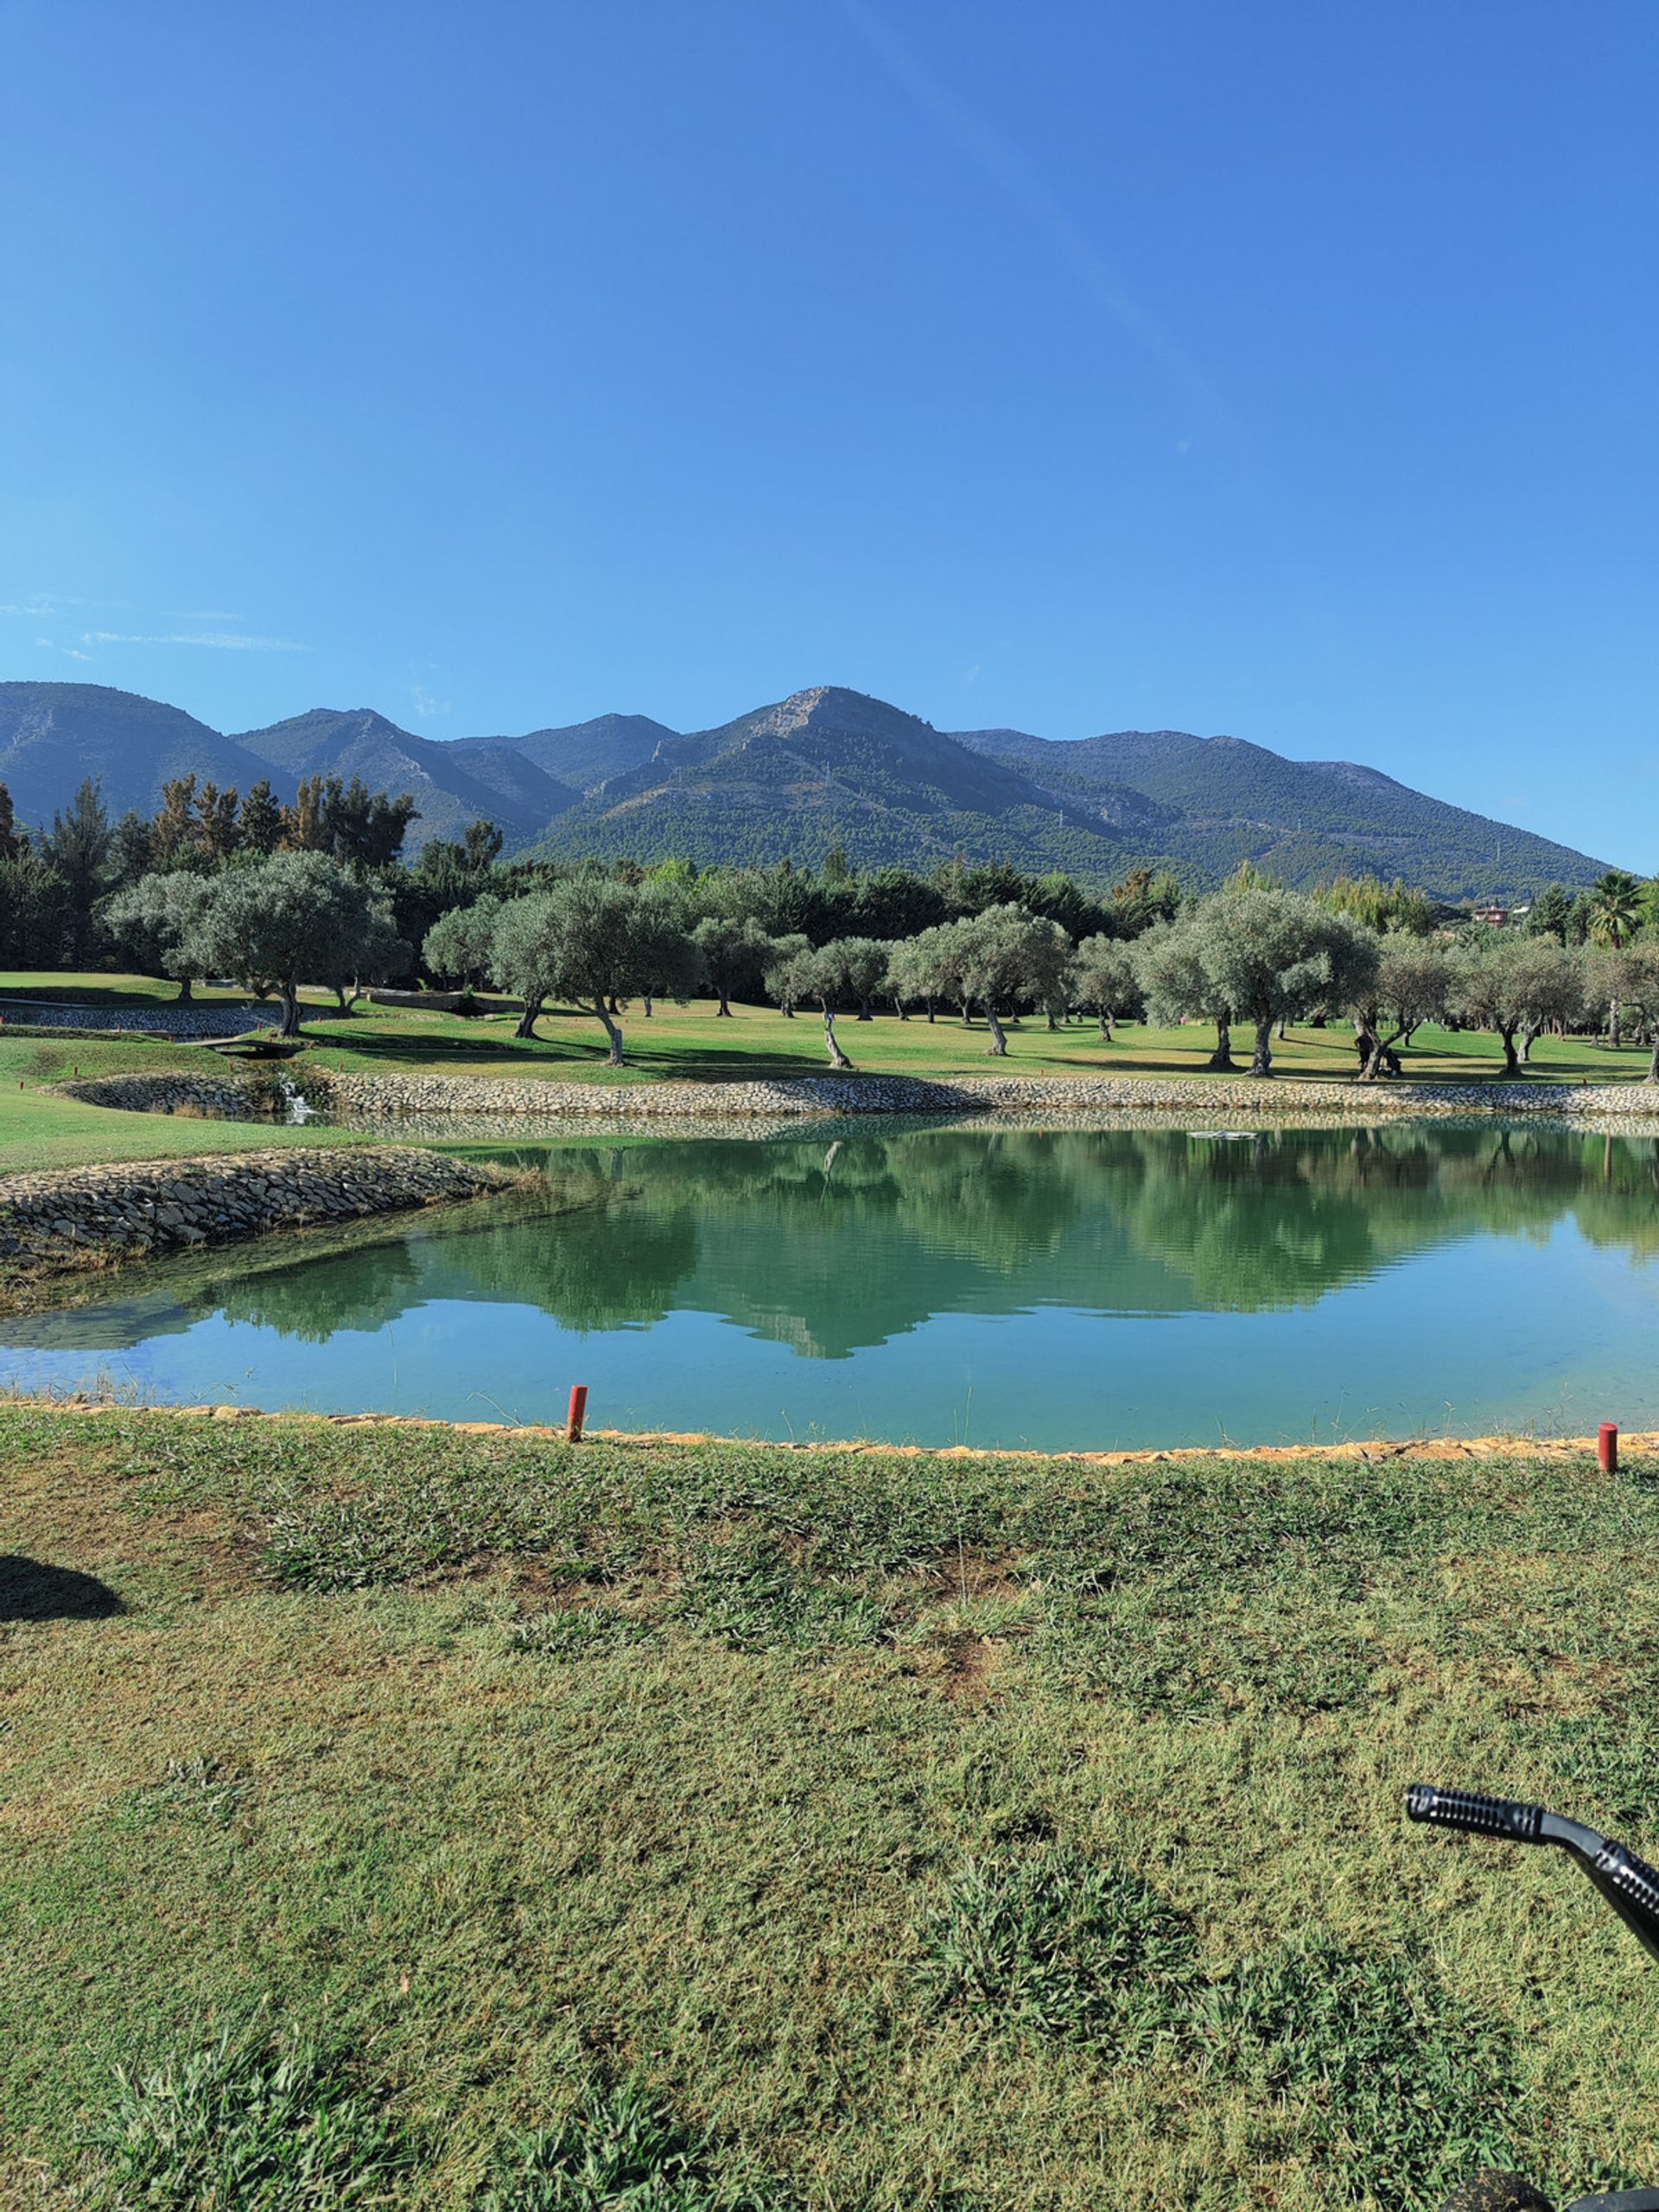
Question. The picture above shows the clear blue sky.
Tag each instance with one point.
(1286, 369)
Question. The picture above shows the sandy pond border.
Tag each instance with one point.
(1581, 1449)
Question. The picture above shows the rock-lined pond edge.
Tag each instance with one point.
(392, 1096)
(65, 1220)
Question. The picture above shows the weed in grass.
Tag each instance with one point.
(1062, 1944)
(621, 2148)
(400, 1533)
(203, 1788)
(242, 2127)
(579, 1633)
(1394, 2090)
(1147, 1649)
(752, 1597)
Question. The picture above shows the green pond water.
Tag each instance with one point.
(1063, 1289)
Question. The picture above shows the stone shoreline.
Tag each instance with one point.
(73, 1220)
(817, 1096)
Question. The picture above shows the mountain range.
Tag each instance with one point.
(824, 768)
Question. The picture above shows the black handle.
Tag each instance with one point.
(1507, 1817)
(1631, 1887)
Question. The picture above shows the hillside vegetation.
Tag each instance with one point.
(827, 768)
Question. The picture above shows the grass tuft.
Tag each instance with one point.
(1368, 2066)
(747, 1592)
(1063, 1945)
(621, 2148)
(204, 1788)
(243, 2126)
(578, 1634)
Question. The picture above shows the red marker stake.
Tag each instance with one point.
(578, 1413)
(1607, 1447)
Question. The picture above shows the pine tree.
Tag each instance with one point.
(262, 819)
(221, 833)
(173, 833)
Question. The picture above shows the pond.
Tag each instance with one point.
(1059, 1288)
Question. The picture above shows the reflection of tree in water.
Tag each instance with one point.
(830, 1247)
(313, 1300)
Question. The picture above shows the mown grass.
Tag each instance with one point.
(715, 1826)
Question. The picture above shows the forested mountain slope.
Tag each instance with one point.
(825, 767)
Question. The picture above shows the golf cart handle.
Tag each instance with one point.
(1627, 1884)
(1507, 1817)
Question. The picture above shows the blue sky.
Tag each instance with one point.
(1287, 370)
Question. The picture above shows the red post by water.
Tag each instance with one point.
(578, 1413)
(1607, 1447)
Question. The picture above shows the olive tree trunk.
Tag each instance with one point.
(998, 1047)
(289, 994)
(1261, 1061)
(527, 1020)
(838, 1060)
(613, 1030)
(1222, 1058)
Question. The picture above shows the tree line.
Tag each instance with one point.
(280, 895)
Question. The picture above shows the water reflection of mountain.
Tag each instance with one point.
(830, 1247)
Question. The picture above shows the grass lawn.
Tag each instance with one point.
(690, 1043)
(805, 1829)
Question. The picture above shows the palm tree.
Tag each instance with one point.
(1617, 912)
(1616, 909)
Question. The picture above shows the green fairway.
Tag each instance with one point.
(686, 1043)
(905, 1832)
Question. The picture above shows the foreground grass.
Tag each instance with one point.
(429, 1818)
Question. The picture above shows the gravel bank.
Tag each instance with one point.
(85, 1217)
(816, 1096)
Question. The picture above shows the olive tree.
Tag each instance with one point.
(461, 943)
(155, 919)
(1265, 956)
(787, 976)
(356, 963)
(821, 979)
(292, 917)
(1639, 988)
(1006, 956)
(931, 967)
(595, 943)
(910, 976)
(859, 966)
(1410, 986)
(1514, 985)
(1177, 984)
(733, 947)
(1103, 980)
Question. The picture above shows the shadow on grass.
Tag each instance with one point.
(30, 1590)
